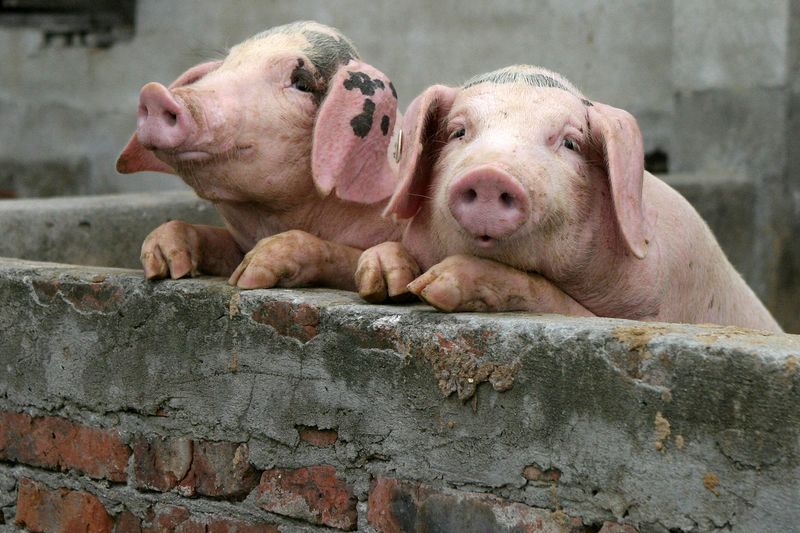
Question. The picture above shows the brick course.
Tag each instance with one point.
(42, 509)
(396, 506)
(59, 444)
(315, 494)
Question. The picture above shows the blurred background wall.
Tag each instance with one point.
(715, 85)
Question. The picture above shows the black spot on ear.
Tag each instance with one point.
(385, 124)
(394, 93)
(362, 82)
(362, 122)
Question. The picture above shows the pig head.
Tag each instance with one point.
(518, 167)
(290, 131)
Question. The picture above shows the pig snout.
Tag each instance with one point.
(163, 122)
(488, 203)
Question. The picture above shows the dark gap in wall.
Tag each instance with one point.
(86, 23)
(656, 161)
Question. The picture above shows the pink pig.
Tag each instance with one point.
(524, 195)
(289, 137)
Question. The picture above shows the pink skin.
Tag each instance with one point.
(273, 157)
(595, 235)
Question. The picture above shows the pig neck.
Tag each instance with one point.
(328, 218)
(593, 265)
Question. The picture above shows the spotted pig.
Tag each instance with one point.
(288, 136)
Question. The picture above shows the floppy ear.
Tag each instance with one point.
(419, 149)
(137, 158)
(620, 140)
(352, 134)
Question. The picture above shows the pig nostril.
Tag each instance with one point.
(485, 238)
(470, 196)
(172, 118)
(507, 200)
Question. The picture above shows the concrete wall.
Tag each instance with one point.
(188, 405)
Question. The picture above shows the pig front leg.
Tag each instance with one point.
(384, 272)
(297, 259)
(177, 249)
(467, 283)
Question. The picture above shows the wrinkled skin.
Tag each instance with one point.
(546, 194)
(291, 131)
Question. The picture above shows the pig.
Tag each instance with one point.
(289, 137)
(522, 194)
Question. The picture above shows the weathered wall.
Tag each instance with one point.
(188, 402)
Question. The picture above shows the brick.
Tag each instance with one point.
(314, 494)
(127, 522)
(221, 470)
(216, 469)
(396, 506)
(616, 527)
(159, 463)
(174, 519)
(300, 321)
(317, 437)
(59, 444)
(535, 472)
(41, 509)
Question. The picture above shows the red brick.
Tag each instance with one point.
(311, 493)
(318, 437)
(59, 444)
(41, 509)
(300, 321)
(220, 469)
(159, 463)
(173, 519)
(616, 527)
(396, 506)
(127, 522)
(217, 469)
(535, 472)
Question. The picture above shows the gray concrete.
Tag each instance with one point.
(76, 106)
(103, 230)
(666, 426)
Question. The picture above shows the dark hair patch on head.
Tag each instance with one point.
(327, 52)
(515, 76)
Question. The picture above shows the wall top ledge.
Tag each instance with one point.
(677, 424)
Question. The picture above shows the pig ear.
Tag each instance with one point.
(621, 144)
(352, 133)
(137, 158)
(418, 147)
(195, 73)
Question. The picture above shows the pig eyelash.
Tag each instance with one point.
(457, 134)
(421, 196)
(571, 144)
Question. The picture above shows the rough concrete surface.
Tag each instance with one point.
(94, 230)
(664, 426)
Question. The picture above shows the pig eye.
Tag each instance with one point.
(569, 144)
(303, 81)
(458, 133)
